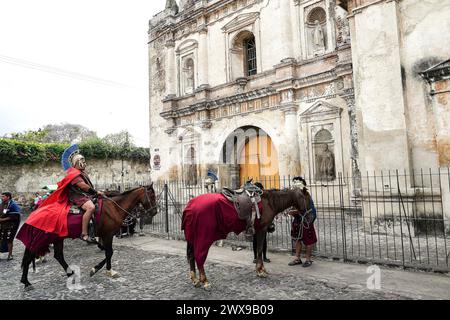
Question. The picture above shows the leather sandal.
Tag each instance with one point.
(295, 262)
(307, 263)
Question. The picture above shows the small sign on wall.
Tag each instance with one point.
(156, 160)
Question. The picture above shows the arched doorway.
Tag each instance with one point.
(259, 160)
(248, 152)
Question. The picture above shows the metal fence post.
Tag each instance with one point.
(166, 205)
(401, 220)
(342, 206)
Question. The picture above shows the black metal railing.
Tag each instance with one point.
(388, 217)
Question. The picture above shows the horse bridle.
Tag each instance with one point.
(129, 213)
(148, 200)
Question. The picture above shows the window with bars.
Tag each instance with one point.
(250, 55)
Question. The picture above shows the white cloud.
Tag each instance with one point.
(66, 61)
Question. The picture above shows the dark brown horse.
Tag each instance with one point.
(209, 218)
(115, 209)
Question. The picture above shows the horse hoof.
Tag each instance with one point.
(93, 271)
(27, 285)
(113, 274)
(262, 274)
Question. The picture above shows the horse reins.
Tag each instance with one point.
(129, 213)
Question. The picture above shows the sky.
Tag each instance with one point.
(75, 61)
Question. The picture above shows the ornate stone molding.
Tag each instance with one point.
(240, 21)
(217, 103)
(170, 44)
(289, 108)
(320, 110)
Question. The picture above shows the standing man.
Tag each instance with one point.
(9, 221)
(302, 229)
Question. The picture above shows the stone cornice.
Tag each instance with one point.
(216, 103)
(438, 72)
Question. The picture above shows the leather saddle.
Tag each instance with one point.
(75, 210)
(245, 201)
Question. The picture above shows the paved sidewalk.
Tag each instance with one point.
(408, 284)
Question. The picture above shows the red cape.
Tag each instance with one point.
(51, 216)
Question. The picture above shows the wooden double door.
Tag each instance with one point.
(259, 160)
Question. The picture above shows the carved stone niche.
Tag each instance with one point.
(316, 31)
(321, 124)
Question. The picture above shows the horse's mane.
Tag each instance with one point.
(114, 193)
(282, 198)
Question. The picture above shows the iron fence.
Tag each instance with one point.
(389, 217)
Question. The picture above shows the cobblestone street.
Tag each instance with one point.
(157, 275)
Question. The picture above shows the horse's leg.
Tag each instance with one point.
(95, 269)
(108, 253)
(260, 237)
(203, 280)
(58, 248)
(28, 256)
(101, 246)
(191, 260)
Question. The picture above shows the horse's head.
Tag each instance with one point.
(148, 200)
(304, 203)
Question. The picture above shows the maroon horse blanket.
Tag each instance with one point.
(38, 241)
(208, 218)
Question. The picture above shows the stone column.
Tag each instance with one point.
(202, 62)
(286, 29)
(379, 90)
(170, 69)
(289, 155)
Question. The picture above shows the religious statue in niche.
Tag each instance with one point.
(189, 76)
(325, 165)
(318, 38)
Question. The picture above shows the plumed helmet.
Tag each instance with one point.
(70, 157)
(75, 159)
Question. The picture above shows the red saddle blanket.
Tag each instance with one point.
(37, 240)
(208, 218)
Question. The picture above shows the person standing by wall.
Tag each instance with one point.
(9, 221)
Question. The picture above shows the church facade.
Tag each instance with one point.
(270, 88)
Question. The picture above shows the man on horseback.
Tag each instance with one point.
(82, 192)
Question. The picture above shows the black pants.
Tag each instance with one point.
(264, 247)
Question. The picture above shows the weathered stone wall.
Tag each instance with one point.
(392, 43)
(424, 42)
(25, 180)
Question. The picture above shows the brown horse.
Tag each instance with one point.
(115, 209)
(208, 218)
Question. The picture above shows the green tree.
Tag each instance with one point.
(122, 139)
(30, 135)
